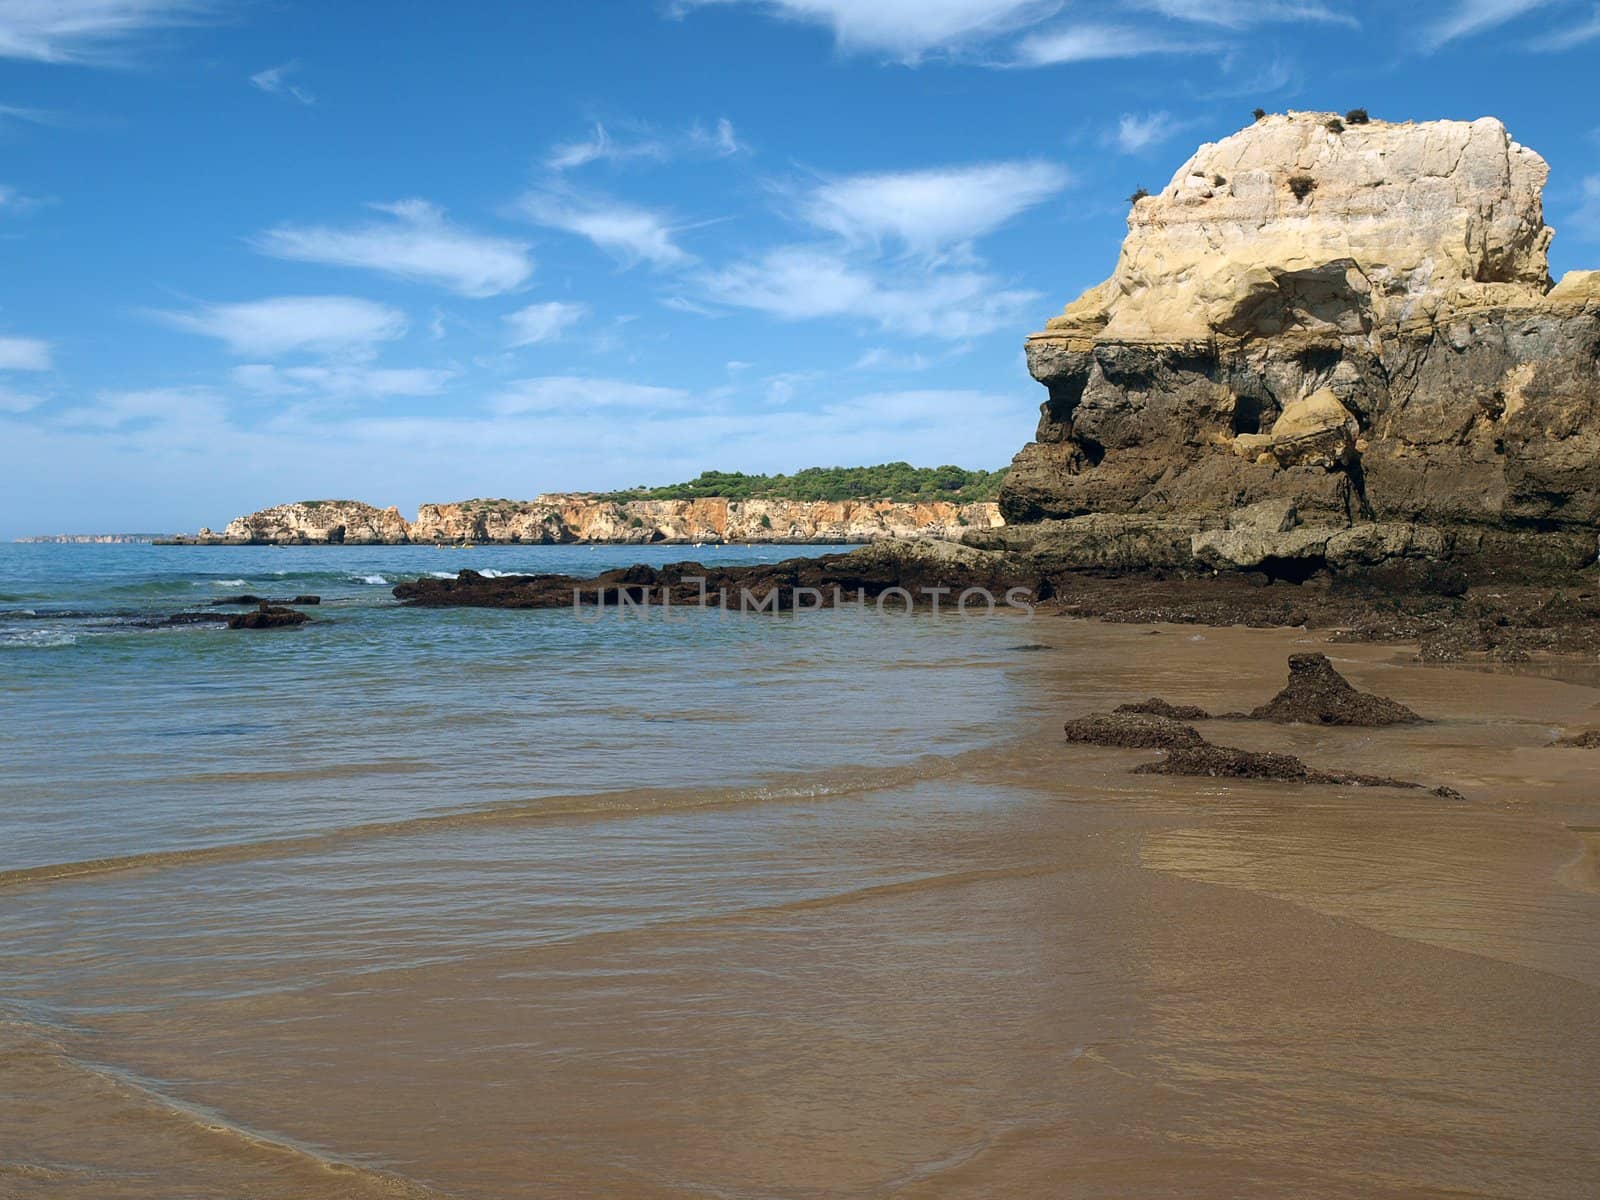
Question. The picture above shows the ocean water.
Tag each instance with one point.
(473, 904)
(127, 739)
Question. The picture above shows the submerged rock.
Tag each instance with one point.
(1588, 739)
(1318, 695)
(232, 601)
(268, 616)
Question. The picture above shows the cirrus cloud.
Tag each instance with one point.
(543, 322)
(417, 244)
(928, 210)
(294, 324)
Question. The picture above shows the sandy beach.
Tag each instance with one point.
(1014, 970)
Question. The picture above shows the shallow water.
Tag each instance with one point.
(488, 904)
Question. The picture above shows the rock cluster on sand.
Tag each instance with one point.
(1378, 351)
(1316, 693)
(1588, 739)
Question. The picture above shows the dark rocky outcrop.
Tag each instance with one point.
(234, 601)
(268, 616)
(899, 574)
(1588, 739)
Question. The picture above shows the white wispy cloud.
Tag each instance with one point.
(797, 283)
(13, 201)
(600, 146)
(1469, 17)
(1585, 220)
(64, 31)
(881, 359)
(31, 116)
(24, 354)
(627, 233)
(580, 394)
(685, 305)
(929, 210)
(543, 322)
(1566, 38)
(195, 410)
(1087, 43)
(906, 30)
(1243, 14)
(274, 82)
(718, 141)
(295, 324)
(343, 381)
(1135, 133)
(15, 402)
(416, 244)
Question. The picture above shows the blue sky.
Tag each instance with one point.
(259, 250)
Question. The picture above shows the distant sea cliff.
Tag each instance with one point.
(95, 539)
(567, 518)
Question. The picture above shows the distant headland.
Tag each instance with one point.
(95, 539)
(820, 505)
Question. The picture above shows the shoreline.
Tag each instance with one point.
(481, 544)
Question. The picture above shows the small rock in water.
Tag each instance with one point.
(231, 601)
(1588, 739)
(268, 616)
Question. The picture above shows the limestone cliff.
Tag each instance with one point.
(582, 518)
(1353, 319)
(564, 518)
(337, 521)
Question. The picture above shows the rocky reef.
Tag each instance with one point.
(563, 518)
(1325, 347)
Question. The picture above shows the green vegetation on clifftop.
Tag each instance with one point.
(889, 481)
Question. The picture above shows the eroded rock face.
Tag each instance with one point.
(330, 521)
(1381, 345)
(559, 519)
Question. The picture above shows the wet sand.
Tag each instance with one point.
(1016, 971)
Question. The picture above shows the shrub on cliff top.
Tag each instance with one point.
(1335, 125)
(889, 481)
(1138, 195)
(1259, 113)
(1357, 116)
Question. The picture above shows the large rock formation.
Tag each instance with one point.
(555, 519)
(334, 521)
(1353, 320)
(581, 518)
